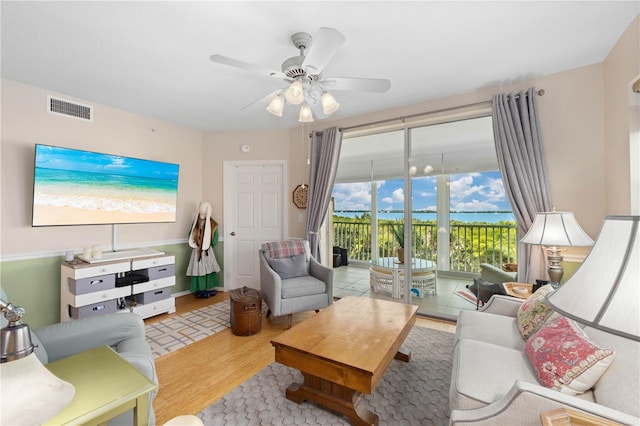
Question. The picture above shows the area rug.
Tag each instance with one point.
(468, 296)
(413, 393)
(176, 332)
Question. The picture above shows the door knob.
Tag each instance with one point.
(233, 234)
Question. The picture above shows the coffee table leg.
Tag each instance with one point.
(403, 354)
(334, 397)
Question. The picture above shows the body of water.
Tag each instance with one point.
(103, 191)
(467, 217)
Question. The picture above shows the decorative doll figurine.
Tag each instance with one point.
(203, 267)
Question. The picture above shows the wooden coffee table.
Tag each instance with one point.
(343, 352)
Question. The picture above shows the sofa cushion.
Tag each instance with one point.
(302, 286)
(609, 390)
(289, 267)
(500, 330)
(483, 373)
(535, 312)
(564, 357)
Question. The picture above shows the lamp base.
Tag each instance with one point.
(554, 267)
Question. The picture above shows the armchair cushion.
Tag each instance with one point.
(302, 286)
(289, 267)
(564, 357)
(496, 275)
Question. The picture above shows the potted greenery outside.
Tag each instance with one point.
(397, 230)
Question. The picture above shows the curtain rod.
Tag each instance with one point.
(406, 117)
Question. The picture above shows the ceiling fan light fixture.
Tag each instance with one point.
(306, 115)
(329, 103)
(294, 93)
(276, 106)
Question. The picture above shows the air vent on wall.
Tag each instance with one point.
(68, 108)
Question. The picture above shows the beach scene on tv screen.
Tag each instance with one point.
(74, 187)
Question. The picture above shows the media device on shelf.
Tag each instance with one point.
(76, 187)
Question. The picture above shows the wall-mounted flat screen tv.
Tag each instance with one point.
(75, 187)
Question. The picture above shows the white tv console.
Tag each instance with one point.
(137, 281)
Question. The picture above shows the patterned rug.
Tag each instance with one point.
(413, 393)
(176, 332)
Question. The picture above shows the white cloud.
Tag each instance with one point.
(463, 187)
(494, 190)
(474, 206)
(352, 196)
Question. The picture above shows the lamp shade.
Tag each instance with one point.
(556, 229)
(276, 106)
(294, 93)
(306, 115)
(604, 292)
(31, 394)
(329, 103)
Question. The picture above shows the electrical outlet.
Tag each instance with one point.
(300, 217)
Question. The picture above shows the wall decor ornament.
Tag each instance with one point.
(300, 196)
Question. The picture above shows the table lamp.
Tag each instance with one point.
(555, 230)
(604, 292)
(29, 393)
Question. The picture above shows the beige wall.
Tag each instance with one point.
(25, 122)
(621, 67)
(584, 116)
(219, 147)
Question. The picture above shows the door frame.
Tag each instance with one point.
(227, 202)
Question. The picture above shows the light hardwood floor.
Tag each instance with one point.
(196, 376)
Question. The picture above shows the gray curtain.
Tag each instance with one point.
(521, 160)
(325, 152)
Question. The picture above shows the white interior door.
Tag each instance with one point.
(254, 213)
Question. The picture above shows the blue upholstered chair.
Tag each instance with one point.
(291, 280)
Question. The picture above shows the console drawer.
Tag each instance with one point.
(106, 307)
(154, 295)
(91, 284)
(163, 271)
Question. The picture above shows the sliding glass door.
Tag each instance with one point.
(444, 174)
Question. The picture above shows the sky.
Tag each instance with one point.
(52, 157)
(469, 192)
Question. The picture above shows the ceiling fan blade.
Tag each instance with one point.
(269, 96)
(324, 47)
(246, 66)
(356, 84)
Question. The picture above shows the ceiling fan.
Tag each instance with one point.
(306, 85)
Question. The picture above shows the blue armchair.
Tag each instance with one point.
(292, 281)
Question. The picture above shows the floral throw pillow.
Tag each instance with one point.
(535, 312)
(564, 357)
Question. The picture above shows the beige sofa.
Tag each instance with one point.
(493, 382)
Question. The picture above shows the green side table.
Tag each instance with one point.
(106, 386)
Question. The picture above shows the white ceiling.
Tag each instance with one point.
(152, 58)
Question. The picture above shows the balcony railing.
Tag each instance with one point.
(469, 244)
